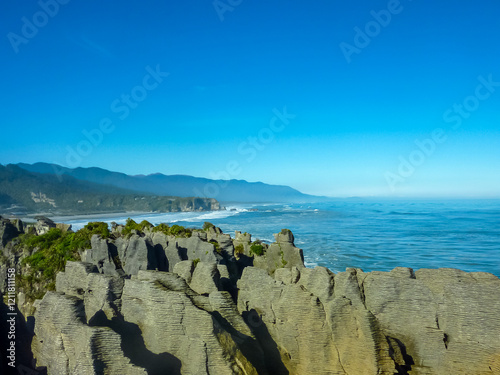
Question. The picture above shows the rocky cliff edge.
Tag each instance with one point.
(152, 303)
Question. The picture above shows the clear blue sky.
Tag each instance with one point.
(361, 101)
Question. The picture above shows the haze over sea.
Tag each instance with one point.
(374, 235)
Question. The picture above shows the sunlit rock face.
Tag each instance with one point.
(150, 303)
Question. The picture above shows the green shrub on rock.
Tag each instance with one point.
(163, 228)
(131, 225)
(50, 252)
(257, 248)
(97, 227)
(207, 225)
(239, 249)
(176, 229)
(180, 231)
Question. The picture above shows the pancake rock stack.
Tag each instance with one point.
(150, 303)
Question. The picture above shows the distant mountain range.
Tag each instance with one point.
(179, 185)
(26, 192)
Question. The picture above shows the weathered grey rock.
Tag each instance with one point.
(224, 241)
(8, 231)
(287, 275)
(177, 249)
(287, 319)
(174, 254)
(285, 236)
(172, 323)
(223, 271)
(104, 255)
(281, 254)
(348, 285)
(319, 281)
(243, 240)
(213, 231)
(229, 275)
(201, 234)
(446, 319)
(427, 322)
(167, 256)
(359, 341)
(205, 278)
(242, 237)
(73, 281)
(66, 345)
(23, 357)
(302, 321)
(195, 248)
(136, 253)
(224, 305)
(185, 270)
(18, 223)
(296, 321)
(101, 293)
(43, 225)
(125, 256)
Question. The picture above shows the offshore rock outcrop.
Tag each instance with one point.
(151, 303)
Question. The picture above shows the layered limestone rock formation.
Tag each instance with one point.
(428, 322)
(152, 323)
(149, 303)
(301, 321)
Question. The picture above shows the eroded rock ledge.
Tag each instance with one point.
(156, 304)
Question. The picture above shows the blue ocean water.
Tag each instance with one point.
(367, 234)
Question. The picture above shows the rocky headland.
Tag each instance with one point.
(139, 299)
(24, 193)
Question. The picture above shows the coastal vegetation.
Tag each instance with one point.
(174, 230)
(43, 256)
(42, 250)
(239, 249)
(47, 254)
(257, 248)
(180, 231)
(207, 225)
(131, 225)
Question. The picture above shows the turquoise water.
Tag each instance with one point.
(369, 234)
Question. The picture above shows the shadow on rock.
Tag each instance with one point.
(402, 360)
(21, 333)
(272, 355)
(134, 348)
(249, 347)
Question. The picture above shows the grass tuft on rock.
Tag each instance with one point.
(257, 248)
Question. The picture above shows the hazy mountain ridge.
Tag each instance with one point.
(23, 192)
(181, 185)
